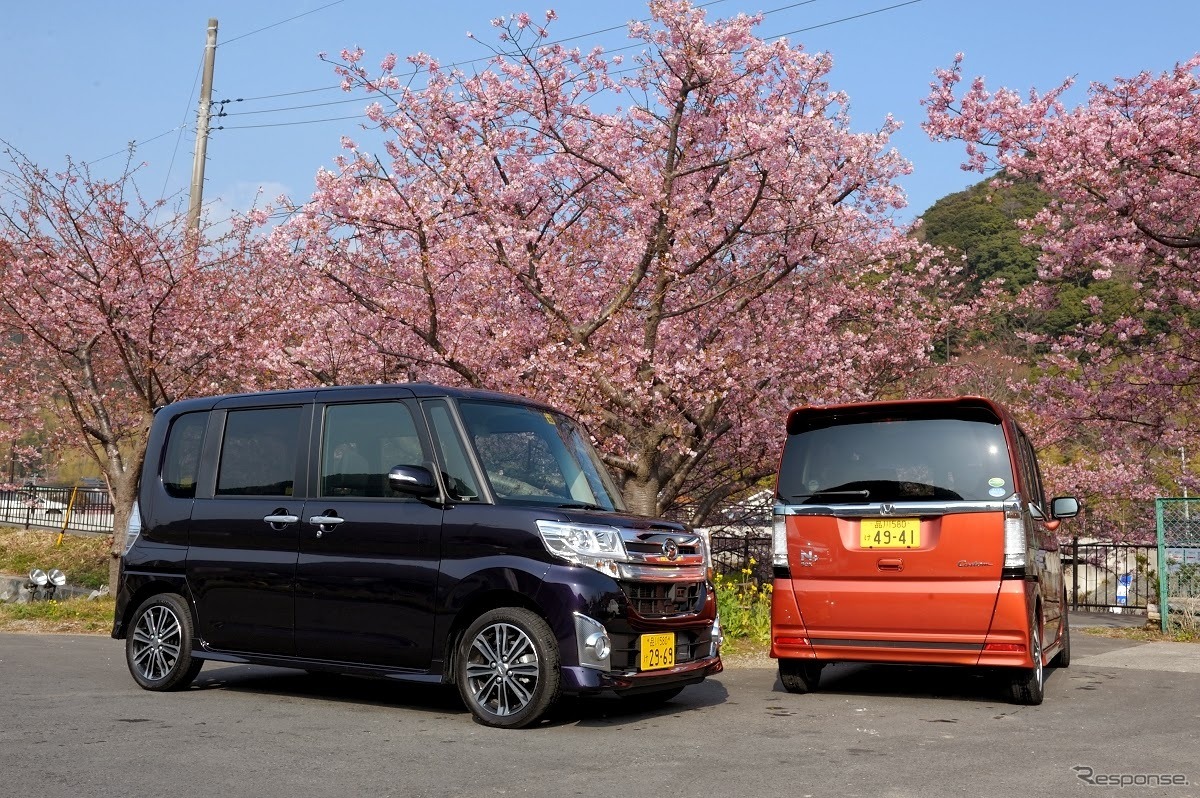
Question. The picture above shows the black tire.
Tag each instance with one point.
(800, 676)
(1029, 686)
(652, 699)
(158, 649)
(508, 668)
(1063, 659)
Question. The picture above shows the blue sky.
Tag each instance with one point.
(84, 78)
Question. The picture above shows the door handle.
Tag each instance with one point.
(325, 523)
(280, 519)
(891, 564)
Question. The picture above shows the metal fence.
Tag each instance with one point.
(1105, 577)
(1108, 576)
(1178, 561)
(67, 509)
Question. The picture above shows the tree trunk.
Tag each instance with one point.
(641, 495)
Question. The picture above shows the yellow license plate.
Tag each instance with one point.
(889, 533)
(658, 651)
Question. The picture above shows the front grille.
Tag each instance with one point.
(661, 599)
(656, 546)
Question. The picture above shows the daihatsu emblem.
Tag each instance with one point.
(671, 549)
(887, 509)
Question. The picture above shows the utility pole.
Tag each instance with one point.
(210, 57)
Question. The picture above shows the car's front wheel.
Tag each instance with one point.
(508, 670)
(158, 649)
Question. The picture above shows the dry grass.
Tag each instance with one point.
(84, 559)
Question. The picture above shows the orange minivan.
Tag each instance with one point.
(916, 532)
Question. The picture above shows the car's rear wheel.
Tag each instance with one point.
(1029, 686)
(508, 668)
(800, 676)
(158, 648)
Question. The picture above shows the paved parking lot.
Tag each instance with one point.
(75, 725)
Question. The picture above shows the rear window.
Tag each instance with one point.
(872, 459)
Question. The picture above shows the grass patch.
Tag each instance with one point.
(84, 559)
(80, 616)
(1150, 633)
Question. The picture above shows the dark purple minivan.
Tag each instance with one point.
(408, 531)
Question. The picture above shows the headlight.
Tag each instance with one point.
(597, 547)
(57, 577)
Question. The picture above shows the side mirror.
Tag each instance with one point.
(413, 480)
(1064, 507)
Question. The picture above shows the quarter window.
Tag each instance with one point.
(181, 463)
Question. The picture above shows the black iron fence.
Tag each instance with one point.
(68, 509)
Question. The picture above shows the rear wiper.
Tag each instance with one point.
(861, 494)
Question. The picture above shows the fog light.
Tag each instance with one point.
(600, 645)
(592, 642)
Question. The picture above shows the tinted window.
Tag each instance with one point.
(258, 454)
(360, 443)
(181, 462)
(875, 460)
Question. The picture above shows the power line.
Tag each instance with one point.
(280, 22)
(771, 37)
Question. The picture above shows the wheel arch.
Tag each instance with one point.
(474, 607)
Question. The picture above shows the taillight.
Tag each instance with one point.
(1014, 534)
(779, 556)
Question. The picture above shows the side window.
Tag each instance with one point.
(361, 442)
(181, 461)
(1030, 467)
(258, 453)
(459, 476)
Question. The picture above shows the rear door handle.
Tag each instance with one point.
(891, 564)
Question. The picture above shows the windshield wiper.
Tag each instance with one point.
(861, 494)
(579, 506)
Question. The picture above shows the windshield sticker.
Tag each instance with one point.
(996, 482)
(997, 492)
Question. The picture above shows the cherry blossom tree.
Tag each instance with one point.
(1123, 171)
(108, 312)
(678, 246)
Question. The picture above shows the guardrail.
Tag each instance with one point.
(67, 509)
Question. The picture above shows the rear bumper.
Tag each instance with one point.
(1004, 644)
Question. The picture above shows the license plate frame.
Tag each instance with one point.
(889, 533)
(657, 651)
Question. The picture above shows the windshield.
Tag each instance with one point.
(887, 460)
(534, 456)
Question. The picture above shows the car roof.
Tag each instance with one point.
(423, 390)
